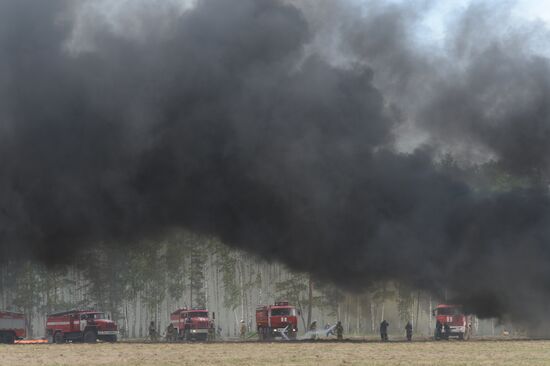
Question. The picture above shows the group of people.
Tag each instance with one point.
(384, 330)
(338, 330)
(171, 334)
(442, 331)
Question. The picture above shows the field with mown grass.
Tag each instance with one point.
(493, 352)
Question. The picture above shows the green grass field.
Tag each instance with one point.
(321, 353)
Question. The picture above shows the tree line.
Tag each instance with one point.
(145, 281)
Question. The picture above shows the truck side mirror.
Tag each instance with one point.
(299, 312)
(213, 315)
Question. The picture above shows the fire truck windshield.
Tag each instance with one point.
(94, 316)
(448, 311)
(198, 314)
(283, 312)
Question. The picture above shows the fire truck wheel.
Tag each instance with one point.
(58, 338)
(7, 338)
(89, 336)
(111, 338)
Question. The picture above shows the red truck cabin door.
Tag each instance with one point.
(72, 326)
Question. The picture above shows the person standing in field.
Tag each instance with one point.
(409, 331)
(152, 332)
(313, 329)
(170, 333)
(447, 328)
(384, 330)
(339, 331)
(211, 332)
(243, 330)
(438, 330)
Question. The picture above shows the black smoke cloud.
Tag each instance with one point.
(228, 122)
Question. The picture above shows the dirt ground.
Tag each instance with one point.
(278, 353)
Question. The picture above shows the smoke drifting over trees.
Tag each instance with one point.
(275, 128)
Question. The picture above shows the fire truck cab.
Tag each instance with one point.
(278, 320)
(192, 324)
(80, 326)
(12, 327)
(452, 318)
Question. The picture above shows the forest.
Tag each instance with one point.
(153, 279)
(147, 280)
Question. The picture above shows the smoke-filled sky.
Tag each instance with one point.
(302, 131)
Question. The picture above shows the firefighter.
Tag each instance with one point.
(211, 332)
(313, 329)
(243, 329)
(122, 331)
(187, 328)
(152, 332)
(447, 331)
(339, 331)
(170, 333)
(409, 331)
(384, 330)
(438, 330)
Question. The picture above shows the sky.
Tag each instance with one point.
(528, 9)
(535, 9)
(442, 10)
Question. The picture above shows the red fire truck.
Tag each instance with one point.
(12, 326)
(452, 318)
(192, 324)
(81, 326)
(279, 320)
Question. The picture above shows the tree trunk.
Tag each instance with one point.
(358, 324)
(416, 320)
(241, 285)
(310, 301)
(430, 326)
(372, 317)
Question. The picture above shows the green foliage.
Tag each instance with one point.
(330, 297)
(227, 265)
(197, 256)
(405, 301)
(29, 285)
(175, 266)
(293, 289)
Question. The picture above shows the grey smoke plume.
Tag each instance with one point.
(227, 120)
